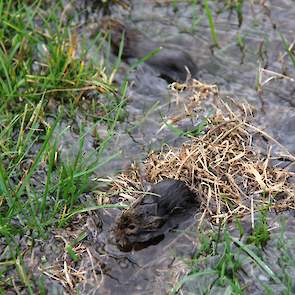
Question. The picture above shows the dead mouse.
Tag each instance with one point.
(171, 61)
(161, 209)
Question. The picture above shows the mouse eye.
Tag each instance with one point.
(131, 228)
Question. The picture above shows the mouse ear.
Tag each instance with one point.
(156, 222)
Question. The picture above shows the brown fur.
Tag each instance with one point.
(155, 213)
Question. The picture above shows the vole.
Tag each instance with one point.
(171, 61)
(158, 211)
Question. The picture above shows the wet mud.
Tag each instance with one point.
(141, 271)
(170, 61)
(257, 70)
(234, 69)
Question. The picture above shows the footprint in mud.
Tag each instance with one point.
(171, 62)
(163, 208)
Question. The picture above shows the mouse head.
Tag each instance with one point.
(133, 229)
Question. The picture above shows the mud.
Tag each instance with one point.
(234, 69)
(170, 61)
(241, 70)
(276, 254)
(138, 272)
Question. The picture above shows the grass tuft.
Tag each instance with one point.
(48, 75)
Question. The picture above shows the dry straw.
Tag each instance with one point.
(223, 167)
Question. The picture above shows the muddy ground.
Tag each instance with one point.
(256, 69)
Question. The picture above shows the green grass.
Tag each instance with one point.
(47, 70)
(260, 234)
(288, 49)
(194, 132)
(211, 23)
(43, 62)
(220, 258)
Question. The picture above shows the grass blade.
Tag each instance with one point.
(256, 259)
(211, 24)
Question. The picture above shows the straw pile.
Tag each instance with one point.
(223, 167)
